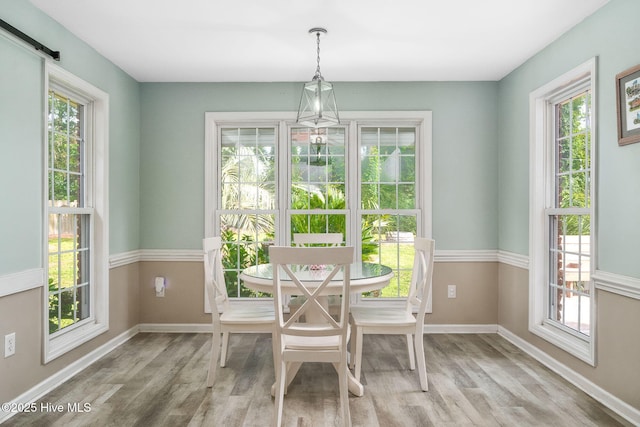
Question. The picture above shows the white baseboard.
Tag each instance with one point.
(460, 329)
(623, 409)
(68, 372)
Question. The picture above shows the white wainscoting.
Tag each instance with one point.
(21, 281)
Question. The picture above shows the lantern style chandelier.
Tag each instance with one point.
(318, 101)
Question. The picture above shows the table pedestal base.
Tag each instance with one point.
(355, 387)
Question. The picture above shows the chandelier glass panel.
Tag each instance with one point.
(318, 107)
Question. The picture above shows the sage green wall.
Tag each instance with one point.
(464, 151)
(21, 136)
(21, 148)
(21, 188)
(611, 35)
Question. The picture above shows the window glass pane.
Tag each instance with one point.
(69, 238)
(83, 302)
(319, 223)
(387, 158)
(246, 239)
(247, 172)
(248, 187)
(579, 110)
(570, 259)
(406, 196)
(74, 197)
(388, 196)
(564, 119)
(388, 239)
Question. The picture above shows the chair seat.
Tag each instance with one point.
(296, 342)
(293, 342)
(376, 316)
(253, 314)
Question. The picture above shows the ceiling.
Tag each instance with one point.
(268, 40)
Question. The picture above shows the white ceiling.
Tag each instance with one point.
(268, 40)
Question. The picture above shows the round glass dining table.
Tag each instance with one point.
(365, 276)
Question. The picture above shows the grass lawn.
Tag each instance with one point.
(62, 260)
(400, 258)
(65, 263)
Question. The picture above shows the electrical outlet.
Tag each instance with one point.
(451, 291)
(160, 285)
(10, 344)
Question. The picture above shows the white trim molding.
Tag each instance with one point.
(609, 400)
(543, 206)
(96, 209)
(160, 255)
(176, 255)
(430, 328)
(489, 255)
(513, 259)
(21, 281)
(124, 258)
(617, 284)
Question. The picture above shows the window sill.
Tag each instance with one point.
(580, 348)
(64, 343)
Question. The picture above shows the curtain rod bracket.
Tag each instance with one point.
(55, 54)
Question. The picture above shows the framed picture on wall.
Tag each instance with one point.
(628, 105)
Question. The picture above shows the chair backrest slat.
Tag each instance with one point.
(421, 277)
(215, 284)
(317, 239)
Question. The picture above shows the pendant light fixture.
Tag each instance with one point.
(318, 101)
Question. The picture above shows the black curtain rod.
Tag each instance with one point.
(55, 54)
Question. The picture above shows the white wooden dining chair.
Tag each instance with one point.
(303, 240)
(323, 339)
(399, 321)
(316, 239)
(240, 317)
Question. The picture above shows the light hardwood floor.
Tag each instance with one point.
(474, 379)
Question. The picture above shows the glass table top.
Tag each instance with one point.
(359, 270)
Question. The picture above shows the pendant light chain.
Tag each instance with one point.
(318, 73)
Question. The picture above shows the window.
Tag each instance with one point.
(267, 178)
(562, 238)
(76, 248)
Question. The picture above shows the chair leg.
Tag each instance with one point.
(352, 346)
(358, 356)
(225, 347)
(412, 357)
(215, 352)
(344, 393)
(281, 375)
(422, 368)
(276, 360)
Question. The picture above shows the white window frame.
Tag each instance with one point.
(351, 120)
(97, 187)
(541, 164)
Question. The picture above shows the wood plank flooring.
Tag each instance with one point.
(474, 380)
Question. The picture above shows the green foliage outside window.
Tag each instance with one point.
(574, 162)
